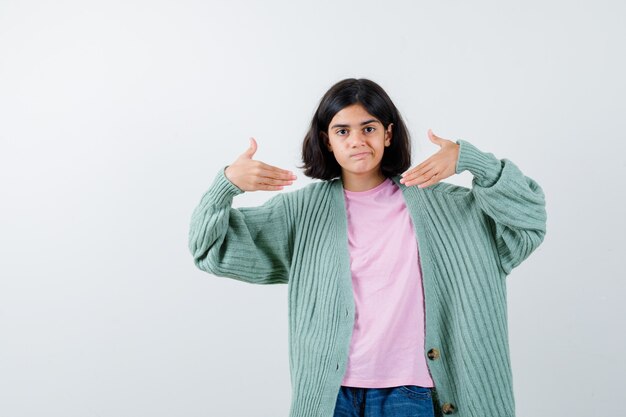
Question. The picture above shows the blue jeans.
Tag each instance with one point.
(401, 401)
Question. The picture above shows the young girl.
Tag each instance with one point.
(396, 280)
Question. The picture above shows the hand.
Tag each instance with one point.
(251, 175)
(439, 166)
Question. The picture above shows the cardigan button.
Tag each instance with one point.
(448, 408)
(433, 354)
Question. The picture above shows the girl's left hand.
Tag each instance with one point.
(439, 166)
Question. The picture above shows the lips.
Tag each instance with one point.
(360, 154)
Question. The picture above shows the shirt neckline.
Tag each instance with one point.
(367, 192)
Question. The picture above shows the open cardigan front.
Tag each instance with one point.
(469, 240)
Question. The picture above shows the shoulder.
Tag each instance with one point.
(312, 188)
(314, 191)
(440, 188)
(452, 190)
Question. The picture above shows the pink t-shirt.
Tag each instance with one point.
(387, 347)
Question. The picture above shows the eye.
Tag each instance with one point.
(371, 127)
(341, 130)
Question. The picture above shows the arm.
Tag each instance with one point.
(515, 203)
(250, 244)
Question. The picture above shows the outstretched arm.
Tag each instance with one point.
(514, 202)
(250, 244)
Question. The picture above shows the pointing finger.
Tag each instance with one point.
(275, 172)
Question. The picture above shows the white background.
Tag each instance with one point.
(116, 116)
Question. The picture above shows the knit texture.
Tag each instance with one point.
(469, 241)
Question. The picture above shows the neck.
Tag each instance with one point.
(358, 183)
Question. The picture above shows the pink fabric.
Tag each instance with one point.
(387, 347)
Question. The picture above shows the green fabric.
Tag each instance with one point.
(469, 241)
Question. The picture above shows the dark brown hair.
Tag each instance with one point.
(320, 163)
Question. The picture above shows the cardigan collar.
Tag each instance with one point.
(416, 203)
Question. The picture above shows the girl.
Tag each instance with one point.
(396, 280)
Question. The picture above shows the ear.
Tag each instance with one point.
(388, 134)
(326, 141)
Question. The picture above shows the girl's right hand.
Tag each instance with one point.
(251, 175)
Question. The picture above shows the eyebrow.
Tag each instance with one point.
(362, 123)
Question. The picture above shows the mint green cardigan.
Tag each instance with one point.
(469, 241)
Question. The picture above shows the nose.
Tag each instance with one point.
(357, 139)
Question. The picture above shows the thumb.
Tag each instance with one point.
(249, 153)
(434, 138)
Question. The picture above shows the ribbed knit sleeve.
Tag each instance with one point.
(515, 203)
(250, 244)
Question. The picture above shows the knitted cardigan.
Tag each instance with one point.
(469, 241)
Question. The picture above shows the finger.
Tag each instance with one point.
(275, 172)
(249, 153)
(274, 181)
(416, 174)
(261, 175)
(436, 139)
(408, 171)
(424, 168)
(423, 182)
(433, 180)
(421, 179)
(416, 167)
(266, 187)
(276, 178)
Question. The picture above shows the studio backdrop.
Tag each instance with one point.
(116, 116)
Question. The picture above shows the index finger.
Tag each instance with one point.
(416, 168)
(278, 172)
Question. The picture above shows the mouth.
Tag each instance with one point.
(360, 154)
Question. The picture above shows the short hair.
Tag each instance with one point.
(320, 163)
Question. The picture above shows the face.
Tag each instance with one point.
(357, 139)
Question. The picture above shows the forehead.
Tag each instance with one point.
(354, 114)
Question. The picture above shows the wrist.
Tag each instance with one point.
(227, 172)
